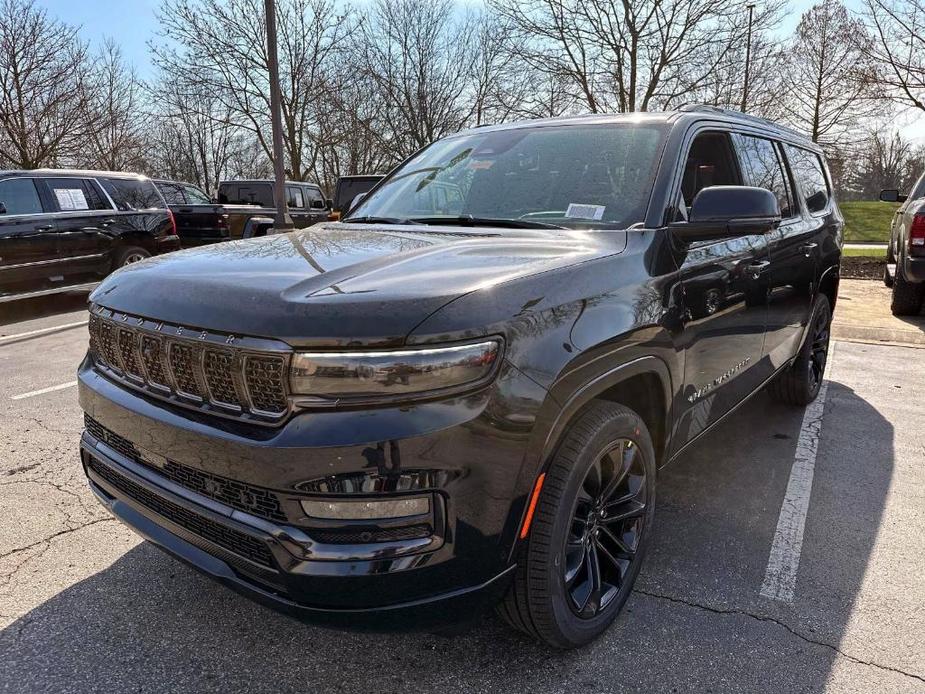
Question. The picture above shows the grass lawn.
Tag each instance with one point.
(878, 253)
(867, 220)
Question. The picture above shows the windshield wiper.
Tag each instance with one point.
(377, 220)
(467, 220)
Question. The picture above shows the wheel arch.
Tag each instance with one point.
(828, 285)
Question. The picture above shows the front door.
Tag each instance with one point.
(725, 312)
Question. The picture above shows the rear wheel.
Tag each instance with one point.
(130, 255)
(589, 530)
(800, 383)
(907, 296)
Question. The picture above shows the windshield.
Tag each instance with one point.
(593, 176)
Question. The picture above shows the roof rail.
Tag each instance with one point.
(708, 108)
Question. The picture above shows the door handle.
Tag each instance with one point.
(808, 248)
(45, 227)
(758, 267)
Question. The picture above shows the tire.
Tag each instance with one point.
(799, 384)
(887, 277)
(907, 296)
(542, 602)
(130, 255)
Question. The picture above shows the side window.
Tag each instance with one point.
(20, 196)
(762, 168)
(810, 178)
(75, 194)
(255, 195)
(294, 197)
(314, 197)
(194, 196)
(173, 194)
(710, 162)
(133, 193)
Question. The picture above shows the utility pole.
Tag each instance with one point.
(282, 221)
(748, 57)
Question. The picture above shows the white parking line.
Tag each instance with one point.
(50, 389)
(784, 561)
(41, 331)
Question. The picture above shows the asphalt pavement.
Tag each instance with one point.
(86, 606)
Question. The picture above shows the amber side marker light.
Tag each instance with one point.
(525, 529)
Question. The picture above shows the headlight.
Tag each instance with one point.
(399, 374)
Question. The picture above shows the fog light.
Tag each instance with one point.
(366, 509)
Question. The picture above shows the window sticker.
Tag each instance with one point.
(71, 199)
(576, 211)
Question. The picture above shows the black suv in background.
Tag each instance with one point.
(64, 228)
(905, 268)
(348, 189)
(460, 395)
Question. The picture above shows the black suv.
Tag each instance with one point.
(460, 396)
(66, 229)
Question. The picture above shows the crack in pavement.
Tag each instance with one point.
(784, 625)
(58, 534)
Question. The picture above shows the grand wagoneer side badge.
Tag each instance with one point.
(718, 381)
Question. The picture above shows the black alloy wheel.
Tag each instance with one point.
(819, 350)
(607, 523)
(588, 537)
(799, 384)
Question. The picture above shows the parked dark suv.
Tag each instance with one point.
(460, 396)
(67, 229)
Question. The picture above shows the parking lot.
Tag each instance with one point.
(86, 606)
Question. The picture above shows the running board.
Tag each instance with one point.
(89, 287)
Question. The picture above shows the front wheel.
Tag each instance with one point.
(589, 531)
(799, 384)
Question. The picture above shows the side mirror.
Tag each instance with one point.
(722, 212)
(892, 195)
(319, 205)
(2, 208)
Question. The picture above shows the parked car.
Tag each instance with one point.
(306, 201)
(348, 190)
(905, 268)
(201, 220)
(66, 229)
(459, 396)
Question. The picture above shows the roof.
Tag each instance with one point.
(269, 180)
(70, 172)
(686, 114)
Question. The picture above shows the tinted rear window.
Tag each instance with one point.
(246, 194)
(810, 178)
(132, 193)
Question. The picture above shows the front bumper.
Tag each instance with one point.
(459, 450)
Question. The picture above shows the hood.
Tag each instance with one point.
(339, 284)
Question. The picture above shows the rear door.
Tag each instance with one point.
(792, 274)
(28, 254)
(85, 217)
(725, 298)
(298, 206)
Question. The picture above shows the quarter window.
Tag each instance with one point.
(810, 178)
(762, 168)
(76, 194)
(20, 196)
(295, 198)
(133, 193)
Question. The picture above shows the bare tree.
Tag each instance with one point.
(216, 48)
(115, 105)
(828, 73)
(898, 48)
(629, 56)
(44, 88)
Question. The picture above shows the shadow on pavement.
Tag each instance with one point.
(148, 623)
(42, 307)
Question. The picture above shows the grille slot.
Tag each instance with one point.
(182, 359)
(218, 368)
(228, 538)
(358, 536)
(127, 354)
(238, 495)
(209, 372)
(264, 376)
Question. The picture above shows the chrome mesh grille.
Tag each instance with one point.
(200, 370)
